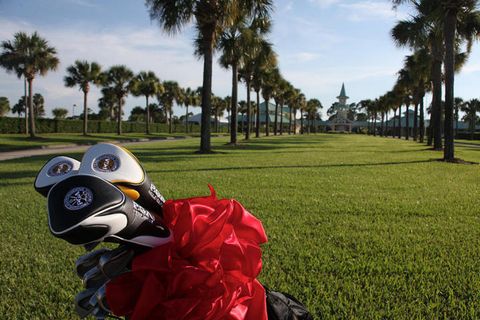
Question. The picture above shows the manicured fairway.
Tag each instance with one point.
(359, 227)
(10, 142)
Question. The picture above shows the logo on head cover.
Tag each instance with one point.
(60, 168)
(78, 198)
(106, 163)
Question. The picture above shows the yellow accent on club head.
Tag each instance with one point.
(131, 193)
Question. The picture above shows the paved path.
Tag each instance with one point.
(52, 149)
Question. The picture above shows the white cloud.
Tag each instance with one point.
(366, 10)
(473, 68)
(171, 58)
(305, 56)
(325, 3)
(83, 3)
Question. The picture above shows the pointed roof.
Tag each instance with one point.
(342, 92)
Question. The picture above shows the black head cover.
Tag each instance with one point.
(83, 209)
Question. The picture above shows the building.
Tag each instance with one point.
(340, 122)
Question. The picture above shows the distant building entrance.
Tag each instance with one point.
(341, 123)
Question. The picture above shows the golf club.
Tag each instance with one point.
(99, 299)
(82, 302)
(54, 171)
(94, 278)
(116, 262)
(88, 261)
(83, 209)
(120, 167)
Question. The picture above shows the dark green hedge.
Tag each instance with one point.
(16, 125)
(468, 136)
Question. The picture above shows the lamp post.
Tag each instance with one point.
(73, 111)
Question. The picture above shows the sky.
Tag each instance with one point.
(320, 45)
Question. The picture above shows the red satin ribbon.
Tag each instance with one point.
(208, 272)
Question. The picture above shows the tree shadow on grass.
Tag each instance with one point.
(297, 166)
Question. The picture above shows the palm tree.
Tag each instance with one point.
(279, 90)
(443, 25)
(59, 113)
(118, 78)
(167, 98)
(234, 43)
(471, 108)
(108, 103)
(28, 56)
(422, 32)
(191, 98)
(312, 109)
(268, 88)
(81, 74)
(146, 84)
(458, 103)
(19, 107)
(211, 17)
(4, 106)
(461, 22)
(38, 105)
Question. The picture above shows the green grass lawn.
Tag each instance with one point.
(359, 227)
(468, 141)
(11, 142)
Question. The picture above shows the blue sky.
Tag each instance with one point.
(320, 44)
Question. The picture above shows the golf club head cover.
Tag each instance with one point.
(83, 209)
(54, 171)
(120, 167)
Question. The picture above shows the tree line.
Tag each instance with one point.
(440, 35)
(236, 29)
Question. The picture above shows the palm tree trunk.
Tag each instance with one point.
(415, 122)
(471, 124)
(205, 145)
(400, 122)
(216, 119)
(257, 127)
(119, 117)
(281, 118)
(30, 109)
(301, 121)
(422, 120)
(375, 124)
(275, 127)
(249, 111)
(450, 27)
(233, 118)
(147, 123)
(407, 122)
(25, 104)
(186, 118)
(437, 97)
(456, 122)
(267, 119)
(170, 122)
(294, 121)
(394, 129)
(290, 121)
(85, 113)
(383, 125)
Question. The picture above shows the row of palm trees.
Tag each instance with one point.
(237, 29)
(440, 34)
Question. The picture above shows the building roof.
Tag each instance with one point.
(342, 92)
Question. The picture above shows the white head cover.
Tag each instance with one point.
(56, 170)
(112, 163)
